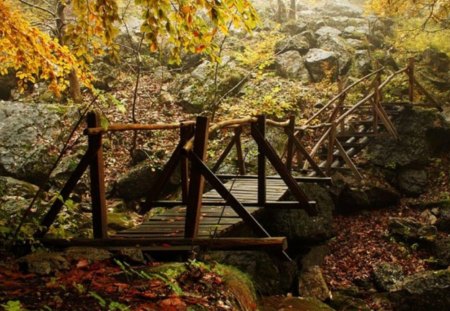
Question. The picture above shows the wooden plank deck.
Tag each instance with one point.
(214, 219)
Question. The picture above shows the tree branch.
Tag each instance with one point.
(38, 8)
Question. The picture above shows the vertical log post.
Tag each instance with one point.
(197, 181)
(331, 140)
(97, 174)
(240, 155)
(411, 79)
(185, 135)
(290, 129)
(376, 103)
(260, 125)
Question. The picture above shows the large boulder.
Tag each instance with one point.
(410, 230)
(321, 64)
(312, 284)
(340, 47)
(30, 136)
(290, 65)
(296, 225)
(412, 182)
(443, 219)
(327, 31)
(43, 263)
(423, 291)
(301, 42)
(269, 274)
(386, 275)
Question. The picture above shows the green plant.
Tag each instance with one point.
(13, 305)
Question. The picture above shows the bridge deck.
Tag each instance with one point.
(215, 220)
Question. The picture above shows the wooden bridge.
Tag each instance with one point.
(335, 134)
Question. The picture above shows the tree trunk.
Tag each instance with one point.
(74, 82)
(293, 10)
(281, 13)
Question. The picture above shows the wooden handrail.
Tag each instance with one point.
(119, 127)
(344, 91)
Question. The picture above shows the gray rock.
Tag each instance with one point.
(382, 197)
(441, 250)
(410, 230)
(357, 44)
(363, 63)
(137, 182)
(91, 254)
(317, 61)
(43, 263)
(422, 292)
(340, 47)
(290, 65)
(131, 254)
(412, 182)
(294, 27)
(315, 257)
(13, 187)
(352, 200)
(312, 284)
(269, 274)
(29, 134)
(341, 8)
(386, 275)
(302, 304)
(301, 42)
(343, 302)
(296, 225)
(328, 31)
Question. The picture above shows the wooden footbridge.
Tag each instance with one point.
(326, 142)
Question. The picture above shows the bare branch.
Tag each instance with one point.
(38, 7)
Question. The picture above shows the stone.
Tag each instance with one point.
(441, 250)
(342, 302)
(443, 220)
(363, 62)
(137, 182)
(43, 263)
(328, 31)
(290, 65)
(269, 274)
(301, 42)
(318, 61)
(412, 182)
(352, 200)
(340, 47)
(13, 187)
(312, 284)
(340, 8)
(382, 197)
(410, 230)
(296, 225)
(294, 27)
(303, 304)
(315, 257)
(422, 292)
(30, 133)
(91, 254)
(131, 254)
(386, 275)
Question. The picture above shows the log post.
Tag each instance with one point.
(411, 79)
(260, 125)
(185, 134)
(331, 141)
(376, 102)
(97, 174)
(290, 129)
(239, 153)
(197, 181)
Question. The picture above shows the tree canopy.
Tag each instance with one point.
(179, 25)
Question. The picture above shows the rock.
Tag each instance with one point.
(131, 254)
(357, 44)
(315, 257)
(341, 8)
(342, 302)
(416, 144)
(356, 32)
(312, 284)
(363, 63)
(13, 187)
(30, 133)
(318, 61)
(412, 182)
(91, 254)
(438, 61)
(443, 220)
(301, 42)
(294, 27)
(328, 31)
(386, 275)
(296, 225)
(341, 49)
(43, 263)
(137, 182)
(352, 200)
(303, 304)
(382, 197)
(422, 292)
(410, 230)
(290, 65)
(269, 275)
(441, 250)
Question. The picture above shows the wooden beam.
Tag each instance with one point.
(197, 181)
(290, 131)
(239, 153)
(297, 178)
(186, 132)
(348, 161)
(224, 154)
(260, 126)
(281, 169)
(227, 195)
(57, 205)
(97, 174)
(268, 243)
